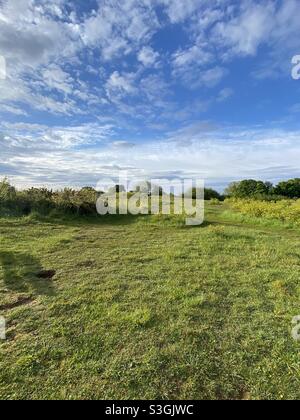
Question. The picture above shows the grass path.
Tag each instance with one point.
(146, 308)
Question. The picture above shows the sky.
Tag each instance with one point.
(152, 88)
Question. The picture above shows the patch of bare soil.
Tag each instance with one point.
(46, 274)
(22, 300)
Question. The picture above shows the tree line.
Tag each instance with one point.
(82, 202)
(251, 188)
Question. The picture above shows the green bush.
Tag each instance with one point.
(44, 202)
(287, 211)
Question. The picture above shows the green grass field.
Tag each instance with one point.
(146, 308)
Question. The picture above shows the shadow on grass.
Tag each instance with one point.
(21, 274)
(72, 220)
(98, 221)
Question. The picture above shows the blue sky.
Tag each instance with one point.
(155, 88)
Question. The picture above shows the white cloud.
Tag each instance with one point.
(217, 155)
(104, 65)
(148, 57)
(211, 77)
(119, 27)
(32, 37)
(155, 88)
(194, 66)
(178, 11)
(29, 36)
(12, 110)
(225, 94)
(37, 136)
(18, 92)
(196, 55)
(245, 33)
(119, 85)
(195, 77)
(55, 78)
(270, 23)
(286, 24)
(224, 30)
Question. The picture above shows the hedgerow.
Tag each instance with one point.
(44, 201)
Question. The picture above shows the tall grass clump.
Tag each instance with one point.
(287, 211)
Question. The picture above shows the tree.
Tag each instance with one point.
(209, 194)
(7, 191)
(248, 188)
(232, 189)
(270, 187)
(290, 188)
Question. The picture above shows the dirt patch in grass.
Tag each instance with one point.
(22, 300)
(46, 274)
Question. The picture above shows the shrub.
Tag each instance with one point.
(7, 192)
(283, 210)
(8, 196)
(44, 202)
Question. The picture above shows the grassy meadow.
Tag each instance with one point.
(124, 307)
